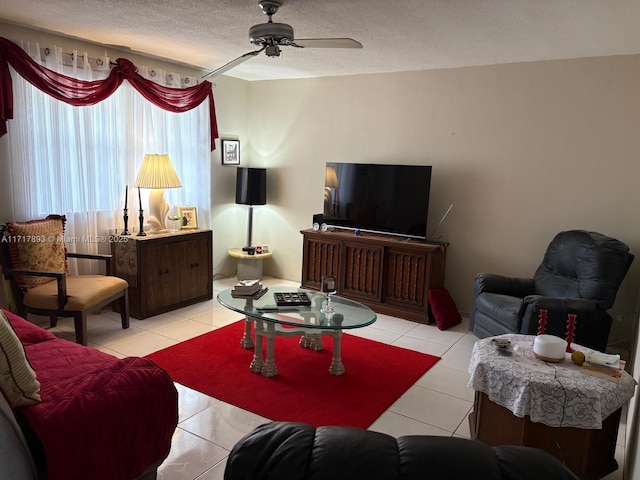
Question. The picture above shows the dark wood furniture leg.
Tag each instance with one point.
(80, 323)
(123, 303)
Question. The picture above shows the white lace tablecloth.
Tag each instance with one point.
(555, 394)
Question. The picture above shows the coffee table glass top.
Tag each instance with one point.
(354, 314)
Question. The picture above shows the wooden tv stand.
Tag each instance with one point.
(391, 275)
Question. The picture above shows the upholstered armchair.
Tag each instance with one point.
(580, 274)
(36, 280)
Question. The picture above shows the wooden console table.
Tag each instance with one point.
(521, 400)
(391, 275)
(165, 271)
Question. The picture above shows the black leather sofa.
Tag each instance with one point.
(297, 451)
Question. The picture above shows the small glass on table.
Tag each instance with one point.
(174, 219)
(328, 288)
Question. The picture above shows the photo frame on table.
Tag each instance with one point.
(188, 217)
(230, 151)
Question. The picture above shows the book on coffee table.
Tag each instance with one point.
(247, 287)
(253, 296)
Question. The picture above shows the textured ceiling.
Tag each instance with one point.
(400, 35)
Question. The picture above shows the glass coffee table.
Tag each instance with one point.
(310, 322)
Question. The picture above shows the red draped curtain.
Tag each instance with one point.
(81, 92)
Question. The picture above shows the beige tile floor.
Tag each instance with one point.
(438, 403)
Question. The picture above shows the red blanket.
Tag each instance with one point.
(101, 417)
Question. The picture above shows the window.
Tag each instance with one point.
(77, 161)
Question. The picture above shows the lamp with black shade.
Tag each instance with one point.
(251, 189)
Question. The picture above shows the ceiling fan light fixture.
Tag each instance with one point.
(272, 51)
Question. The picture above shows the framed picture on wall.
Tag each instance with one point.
(230, 152)
(188, 217)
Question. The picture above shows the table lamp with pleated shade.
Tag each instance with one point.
(157, 173)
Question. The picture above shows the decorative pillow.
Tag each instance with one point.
(17, 379)
(443, 308)
(37, 245)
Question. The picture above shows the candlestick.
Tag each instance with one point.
(141, 219)
(542, 322)
(126, 197)
(125, 217)
(571, 326)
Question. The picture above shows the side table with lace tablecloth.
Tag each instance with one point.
(522, 400)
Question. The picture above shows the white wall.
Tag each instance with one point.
(522, 150)
(228, 220)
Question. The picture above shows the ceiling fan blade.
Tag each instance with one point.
(326, 43)
(233, 63)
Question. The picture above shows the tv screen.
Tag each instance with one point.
(378, 198)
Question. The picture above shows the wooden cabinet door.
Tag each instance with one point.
(406, 278)
(195, 271)
(161, 274)
(321, 257)
(362, 271)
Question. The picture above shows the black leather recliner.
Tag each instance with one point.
(297, 451)
(580, 274)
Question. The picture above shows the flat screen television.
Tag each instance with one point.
(378, 198)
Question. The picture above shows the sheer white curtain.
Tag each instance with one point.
(77, 161)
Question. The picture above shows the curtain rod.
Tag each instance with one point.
(98, 64)
(67, 59)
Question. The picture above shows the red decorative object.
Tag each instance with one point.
(542, 321)
(444, 309)
(571, 326)
(81, 92)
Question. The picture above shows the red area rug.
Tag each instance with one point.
(304, 391)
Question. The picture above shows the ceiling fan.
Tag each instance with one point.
(271, 36)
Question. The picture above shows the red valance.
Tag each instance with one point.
(81, 92)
